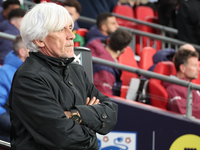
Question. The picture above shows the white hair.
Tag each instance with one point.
(42, 19)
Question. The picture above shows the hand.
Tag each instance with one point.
(92, 101)
(68, 114)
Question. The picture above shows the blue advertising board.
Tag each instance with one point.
(143, 127)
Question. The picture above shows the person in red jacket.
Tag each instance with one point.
(186, 63)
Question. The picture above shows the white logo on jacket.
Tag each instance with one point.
(175, 98)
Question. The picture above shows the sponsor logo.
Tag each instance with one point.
(186, 142)
(117, 141)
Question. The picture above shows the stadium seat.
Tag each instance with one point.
(145, 13)
(146, 58)
(82, 32)
(83, 57)
(126, 11)
(158, 94)
(127, 58)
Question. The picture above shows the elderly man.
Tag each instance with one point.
(186, 64)
(53, 104)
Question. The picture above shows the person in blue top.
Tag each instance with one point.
(13, 60)
(7, 7)
(13, 27)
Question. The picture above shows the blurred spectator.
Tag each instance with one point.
(92, 8)
(7, 7)
(162, 55)
(15, 17)
(106, 24)
(74, 9)
(186, 64)
(187, 47)
(7, 24)
(188, 21)
(126, 2)
(148, 4)
(107, 79)
(167, 10)
(13, 60)
(168, 54)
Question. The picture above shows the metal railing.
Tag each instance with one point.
(162, 28)
(156, 76)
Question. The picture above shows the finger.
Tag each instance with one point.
(97, 101)
(87, 100)
(92, 101)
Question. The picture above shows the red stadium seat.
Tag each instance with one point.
(126, 11)
(158, 93)
(127, 58)
(82, 31)
(146, 58)
(145, 13)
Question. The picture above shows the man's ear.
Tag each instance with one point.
(39, 43)
(21, 52)
(182, 68)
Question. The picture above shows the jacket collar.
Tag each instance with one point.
(52, 60)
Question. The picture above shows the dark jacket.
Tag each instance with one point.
(188, 21)
(162, 55)
(43, 88)
(92, 8)
(106, 79)
(5, 25)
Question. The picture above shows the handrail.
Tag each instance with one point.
(7, 36)
(153, 25)
(4, 144)
(158, 37)
(157, 76)
(145, 73)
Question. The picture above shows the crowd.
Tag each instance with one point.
(50, 92)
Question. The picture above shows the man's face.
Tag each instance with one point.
(111, 25)
(59, 44)
(8, 10)
(72, 11)
(191, 68)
